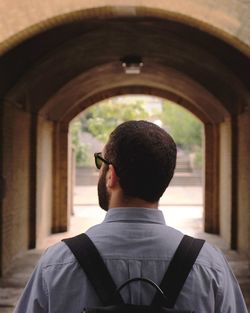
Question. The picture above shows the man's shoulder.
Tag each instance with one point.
(211, 258)
(58, 254)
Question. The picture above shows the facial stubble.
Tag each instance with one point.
(103, 195)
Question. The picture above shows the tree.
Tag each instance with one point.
(185, 128)
(102, 118)
(81, 150)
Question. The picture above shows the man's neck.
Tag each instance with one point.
(133, 203)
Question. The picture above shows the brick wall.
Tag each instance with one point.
(15, 229)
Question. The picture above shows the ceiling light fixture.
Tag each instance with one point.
(132, 64)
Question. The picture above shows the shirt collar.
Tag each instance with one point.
(135, 215)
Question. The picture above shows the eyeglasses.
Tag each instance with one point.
(99, 160)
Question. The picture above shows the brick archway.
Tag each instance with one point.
(73, 60)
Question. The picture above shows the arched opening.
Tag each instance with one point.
(89, 132)
(210, 121)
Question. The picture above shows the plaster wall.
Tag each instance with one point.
(16, 169)
(225, 180)
(244, 183)
(44, 179)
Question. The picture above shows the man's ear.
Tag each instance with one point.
(111, 178)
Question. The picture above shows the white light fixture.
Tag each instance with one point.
(132, 64)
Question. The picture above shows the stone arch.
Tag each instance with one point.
(176, 47)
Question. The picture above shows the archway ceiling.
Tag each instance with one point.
(88, 53)
(91, 87)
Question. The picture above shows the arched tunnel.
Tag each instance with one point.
(53, 71)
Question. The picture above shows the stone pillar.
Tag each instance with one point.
(243, 233)
(234, 183)
(44, 194)
(60, 178)
(71, 177)
(33, 180)
(2, 186)
(226, 180)
(211, 203)
(15, 172)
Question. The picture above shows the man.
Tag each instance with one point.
(136, 167)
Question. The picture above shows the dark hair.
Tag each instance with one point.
(144, 157)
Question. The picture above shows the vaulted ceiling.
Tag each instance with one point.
(62, 70)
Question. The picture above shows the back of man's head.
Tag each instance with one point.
(144, 157)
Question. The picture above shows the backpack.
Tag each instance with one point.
(96, 271)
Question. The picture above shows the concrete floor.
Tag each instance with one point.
(179, 211)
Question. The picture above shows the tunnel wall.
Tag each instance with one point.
(225, 180)
(244, 183)
(44, 179)
(29, 189)
(16, 172)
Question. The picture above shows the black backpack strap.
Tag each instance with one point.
(95, 269)
(178, 270)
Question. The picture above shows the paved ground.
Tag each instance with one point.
(182, 208)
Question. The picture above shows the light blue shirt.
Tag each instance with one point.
(133, 242)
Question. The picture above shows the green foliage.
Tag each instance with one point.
(81, 150)
(102, 118)
(185, 128)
